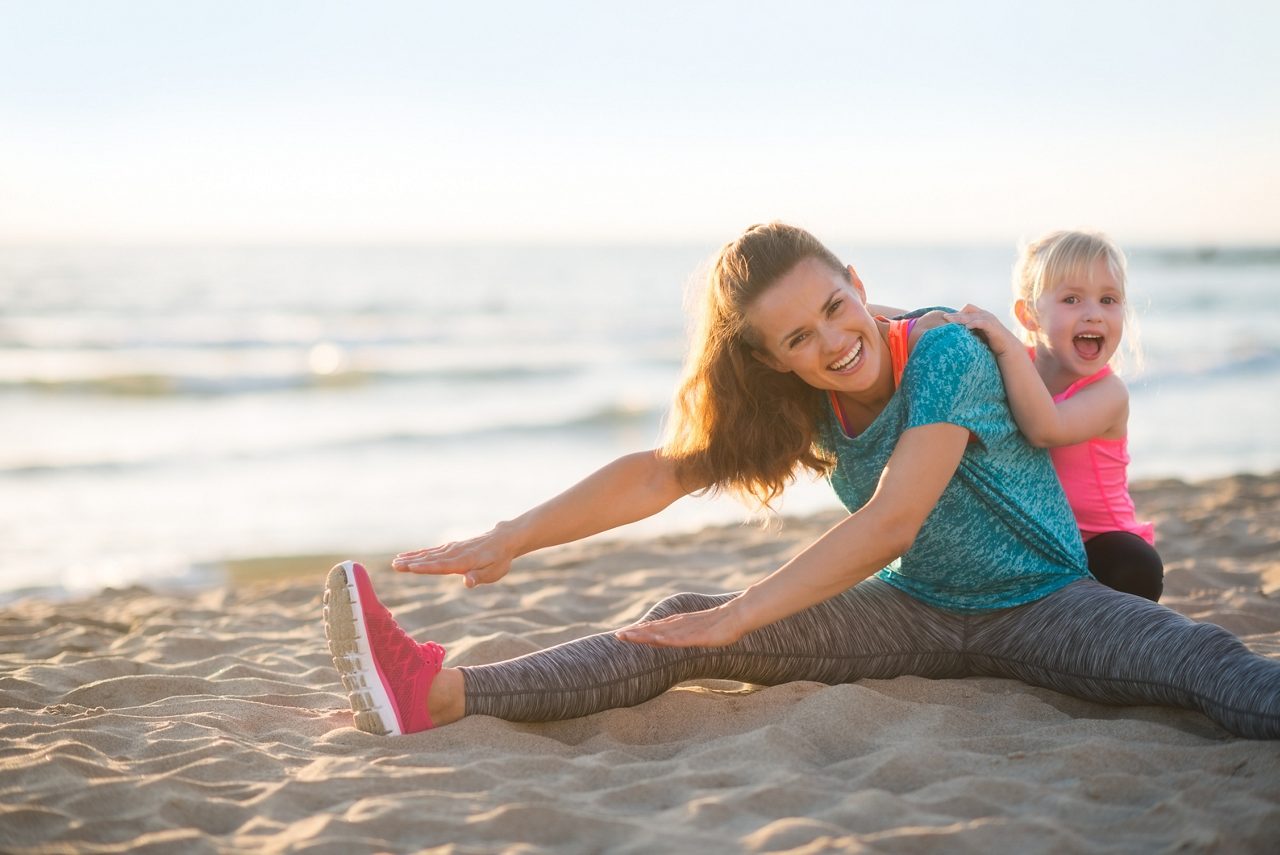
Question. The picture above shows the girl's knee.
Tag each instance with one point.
(1127, 563)
(1141, 581)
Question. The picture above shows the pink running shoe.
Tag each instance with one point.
(386, 673)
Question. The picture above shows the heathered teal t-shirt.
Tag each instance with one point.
(1002, 534)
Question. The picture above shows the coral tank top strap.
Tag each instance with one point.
(900, 347)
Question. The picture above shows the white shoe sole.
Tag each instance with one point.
(344, 627)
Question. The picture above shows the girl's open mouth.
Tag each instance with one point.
(1088, 345)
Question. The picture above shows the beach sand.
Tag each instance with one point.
(215, 722)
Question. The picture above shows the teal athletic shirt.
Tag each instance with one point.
(1002, 534)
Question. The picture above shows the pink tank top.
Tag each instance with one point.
(1094, 475)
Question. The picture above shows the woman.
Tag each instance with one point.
(978, 567)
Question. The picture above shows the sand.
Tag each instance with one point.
(214, 722)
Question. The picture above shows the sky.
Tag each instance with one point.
(1158, 122)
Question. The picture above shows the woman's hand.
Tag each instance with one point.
(630, 488)
(711, 628)
(995, 334)
(481, 560)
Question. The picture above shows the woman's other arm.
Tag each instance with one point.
(918, 471)
(630, 488)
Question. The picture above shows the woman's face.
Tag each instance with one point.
(814, 323)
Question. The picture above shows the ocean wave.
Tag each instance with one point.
(145, 384)
(1213, 255)
(1250, 363)
(609, 417)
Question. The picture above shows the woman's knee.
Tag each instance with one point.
(683, 603)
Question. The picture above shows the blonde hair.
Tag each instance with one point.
(1048, 260)
(737, 424)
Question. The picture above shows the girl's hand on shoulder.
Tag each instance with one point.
(480, 560)
(711, 628)
(997, 336)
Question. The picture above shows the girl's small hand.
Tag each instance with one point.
(997, 335)
(711, 628)
(481, 560)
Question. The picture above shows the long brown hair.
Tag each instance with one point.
(737, 424)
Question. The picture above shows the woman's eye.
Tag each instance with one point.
(834, 307)
(795, 341)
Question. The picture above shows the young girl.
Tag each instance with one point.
(959, 556)
(1070, 299)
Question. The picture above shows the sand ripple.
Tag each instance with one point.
(137, 721)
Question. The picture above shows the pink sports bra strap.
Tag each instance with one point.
(1082, 382)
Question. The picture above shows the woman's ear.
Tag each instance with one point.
(857, 284)
(1023, 311)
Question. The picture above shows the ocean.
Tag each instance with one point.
(167, 409)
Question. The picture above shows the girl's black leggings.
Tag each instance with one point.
(1126, 562)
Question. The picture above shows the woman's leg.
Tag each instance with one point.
(871, 630)
(1126, 562)
(1091, 642)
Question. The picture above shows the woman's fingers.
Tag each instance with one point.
(478, 561)
(695, 629)
(404, 558)
(420, 559)
(487, 574)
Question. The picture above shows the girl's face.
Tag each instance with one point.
(1079, 321)
(814, 323)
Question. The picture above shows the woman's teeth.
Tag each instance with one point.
(849, 359)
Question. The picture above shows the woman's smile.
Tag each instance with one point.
(848, 363)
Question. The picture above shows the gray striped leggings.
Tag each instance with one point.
(1084, 640)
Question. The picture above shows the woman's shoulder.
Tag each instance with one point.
(933, 332)
(930, 320)
(940, 348)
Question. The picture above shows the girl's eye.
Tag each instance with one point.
(1071, 300)
(1109, 299)
(795, 341)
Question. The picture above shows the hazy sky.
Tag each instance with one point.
(267, 120)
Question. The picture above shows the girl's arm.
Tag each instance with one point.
(628, 489)
(1100, 409)
(918, 471)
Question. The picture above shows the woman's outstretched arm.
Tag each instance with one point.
(630, 488)
(918, 471)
